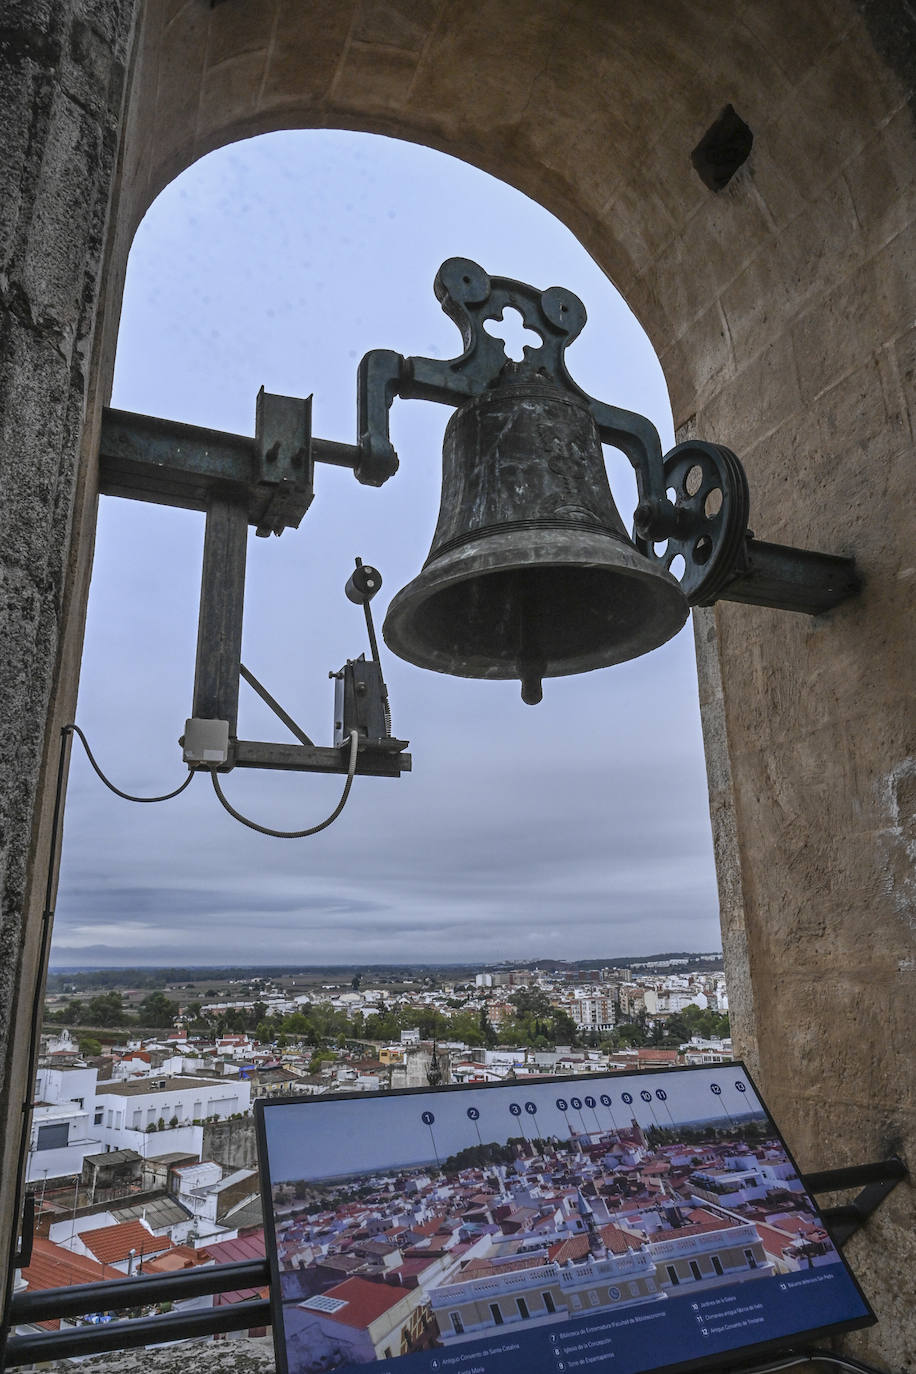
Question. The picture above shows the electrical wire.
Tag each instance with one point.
(844, 1361)
(294, 834)
(814, 1356)
(126, 796)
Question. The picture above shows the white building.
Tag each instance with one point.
(592, 1011)
(700, 1051)
(665, 1001)
(64, 1127)
(125, 1112)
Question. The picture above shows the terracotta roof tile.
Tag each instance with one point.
(179, 1257)
(111, 1244)
(575, 1248)
(54, 1267)
(242, 1248)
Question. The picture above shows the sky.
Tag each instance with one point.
(575, 829)
(328, 1138)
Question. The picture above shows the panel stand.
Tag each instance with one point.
(879, 1179)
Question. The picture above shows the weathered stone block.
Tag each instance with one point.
(60, 232)
(228, 92)
(395, 23)
(306, 52)
(379, 77)
(700, 362)
(240, 29)
(753, 403)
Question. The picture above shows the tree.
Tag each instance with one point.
(107, 1009)
(627, 1034)
(531, 1002)
(157, 1010)
(89, 1045)
(321, 1057)
(487, 1033)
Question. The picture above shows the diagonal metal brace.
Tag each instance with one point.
(880, 1179)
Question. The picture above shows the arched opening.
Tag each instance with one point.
(578, 830)
(781, 310)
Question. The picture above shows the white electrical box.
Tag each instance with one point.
(205, 741)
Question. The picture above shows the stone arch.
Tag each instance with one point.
(780, 309)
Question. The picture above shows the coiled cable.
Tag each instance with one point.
(294, 834)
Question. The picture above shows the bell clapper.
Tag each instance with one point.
(530, 674)
(531, 664)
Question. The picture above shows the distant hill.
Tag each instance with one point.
(79, 978)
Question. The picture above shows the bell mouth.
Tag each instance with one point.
(491, 611)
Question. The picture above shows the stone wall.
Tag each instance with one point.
(62, 79)
(231, 1143)
(781, 309)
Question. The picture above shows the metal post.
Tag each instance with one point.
(222, 595)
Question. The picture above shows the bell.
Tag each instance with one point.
(531, 573)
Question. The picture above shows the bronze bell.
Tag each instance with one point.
(531, 573)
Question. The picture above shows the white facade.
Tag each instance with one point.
(186, 1100)
(63, 1129)
(666, 1001)
(592, 1011)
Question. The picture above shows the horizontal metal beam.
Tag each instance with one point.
(789, 579)
(149, 459)
(114, 1295)
(855, 1175)
(36, 1347)
(303, 758)
(145, 458)
(877, 1180)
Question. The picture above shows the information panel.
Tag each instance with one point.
(633, 1222)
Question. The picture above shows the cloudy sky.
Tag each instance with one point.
(573, 829)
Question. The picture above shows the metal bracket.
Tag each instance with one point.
(144, 458)
(268, 482)
(880, 1178)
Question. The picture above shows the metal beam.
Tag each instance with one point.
(37, 1347)
(144, 458)
(301, 758)
(115, 1295)
(222, 598)
(879, 1178)
(789, 579)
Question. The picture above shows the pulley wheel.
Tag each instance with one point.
(709, 489)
